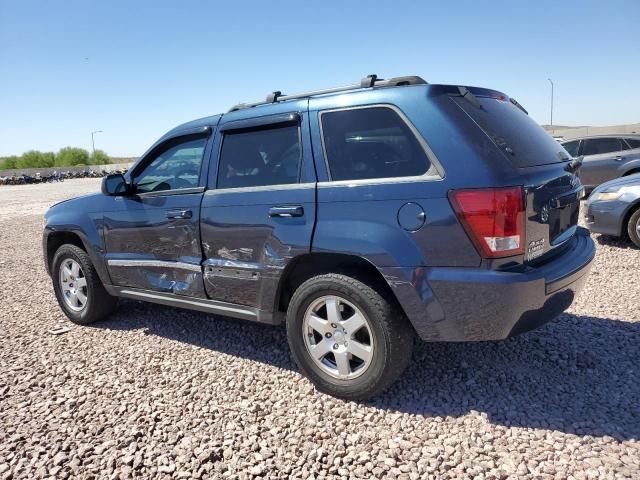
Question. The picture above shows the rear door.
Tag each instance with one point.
(152, 236)
(260, 210)
(602, 159)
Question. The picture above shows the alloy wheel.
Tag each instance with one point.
(338, 337)
(73, 285)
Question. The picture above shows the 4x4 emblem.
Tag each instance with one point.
(535, 248)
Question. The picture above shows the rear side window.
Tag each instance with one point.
(597, 146)
(520, 138)
(372, 142)
(259, 157)
(572, 147)
(633, 142)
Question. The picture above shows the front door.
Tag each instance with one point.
(152, 237)
(261, 212)
(602, 160)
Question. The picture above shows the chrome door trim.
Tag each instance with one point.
(261, 188)
(154, 263)
(166, 193)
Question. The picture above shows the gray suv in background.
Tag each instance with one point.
(605, 157)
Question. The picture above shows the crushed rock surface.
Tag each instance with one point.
(156, 392)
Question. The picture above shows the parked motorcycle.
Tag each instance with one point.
(55, 176)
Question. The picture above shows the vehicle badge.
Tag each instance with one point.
(544, 214)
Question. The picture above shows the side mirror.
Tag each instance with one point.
(115, 184)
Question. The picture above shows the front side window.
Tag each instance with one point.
(572, 147)
(260, 157)
(368, 143)
(597, 146)
(175, 168)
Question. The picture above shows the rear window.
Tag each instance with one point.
(372, 142)
(633, 142)
(520, 138)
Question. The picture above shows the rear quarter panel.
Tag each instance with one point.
(361, 217)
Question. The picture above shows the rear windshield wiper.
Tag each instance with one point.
(517, 104)
(469, 97)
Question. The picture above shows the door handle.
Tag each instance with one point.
(296, 211)
(179, 214)
(618, 158)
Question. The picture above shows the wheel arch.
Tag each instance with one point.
(309, 265)
(631, 209)
(54, 238)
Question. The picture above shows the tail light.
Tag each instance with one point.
(493, 218)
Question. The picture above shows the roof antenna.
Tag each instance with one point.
(368, 81)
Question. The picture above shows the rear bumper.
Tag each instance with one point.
(473, 304)
(606, 217)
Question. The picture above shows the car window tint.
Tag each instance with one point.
(174, 168)
(633, 142)
(596, 146)
(515, 133)
(371, 143)
(259, 157)
(572, 147)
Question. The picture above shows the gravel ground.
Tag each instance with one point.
(161, 393)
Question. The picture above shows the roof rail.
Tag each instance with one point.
(370, 81)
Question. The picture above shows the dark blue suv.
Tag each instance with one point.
(361, 216)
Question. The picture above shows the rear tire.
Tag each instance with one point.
(359, 349)
(633, 227)
(78, 288)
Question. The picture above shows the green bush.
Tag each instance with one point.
(99, 157)
(66, 157)
(35, 159)
(72, 156)
(7, 163)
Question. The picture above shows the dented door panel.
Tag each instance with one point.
(146, 249)
(245, 249)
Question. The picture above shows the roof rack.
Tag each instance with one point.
(369, 81)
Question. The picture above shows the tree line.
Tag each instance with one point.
(66, 157)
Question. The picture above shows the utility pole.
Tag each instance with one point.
(93, 145)
(551, 82)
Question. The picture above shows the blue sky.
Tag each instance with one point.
(134, 69)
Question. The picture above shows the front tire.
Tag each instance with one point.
(633, 227)
(78, 288)
(346, 337)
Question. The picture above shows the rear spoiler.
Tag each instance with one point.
(471, 94)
